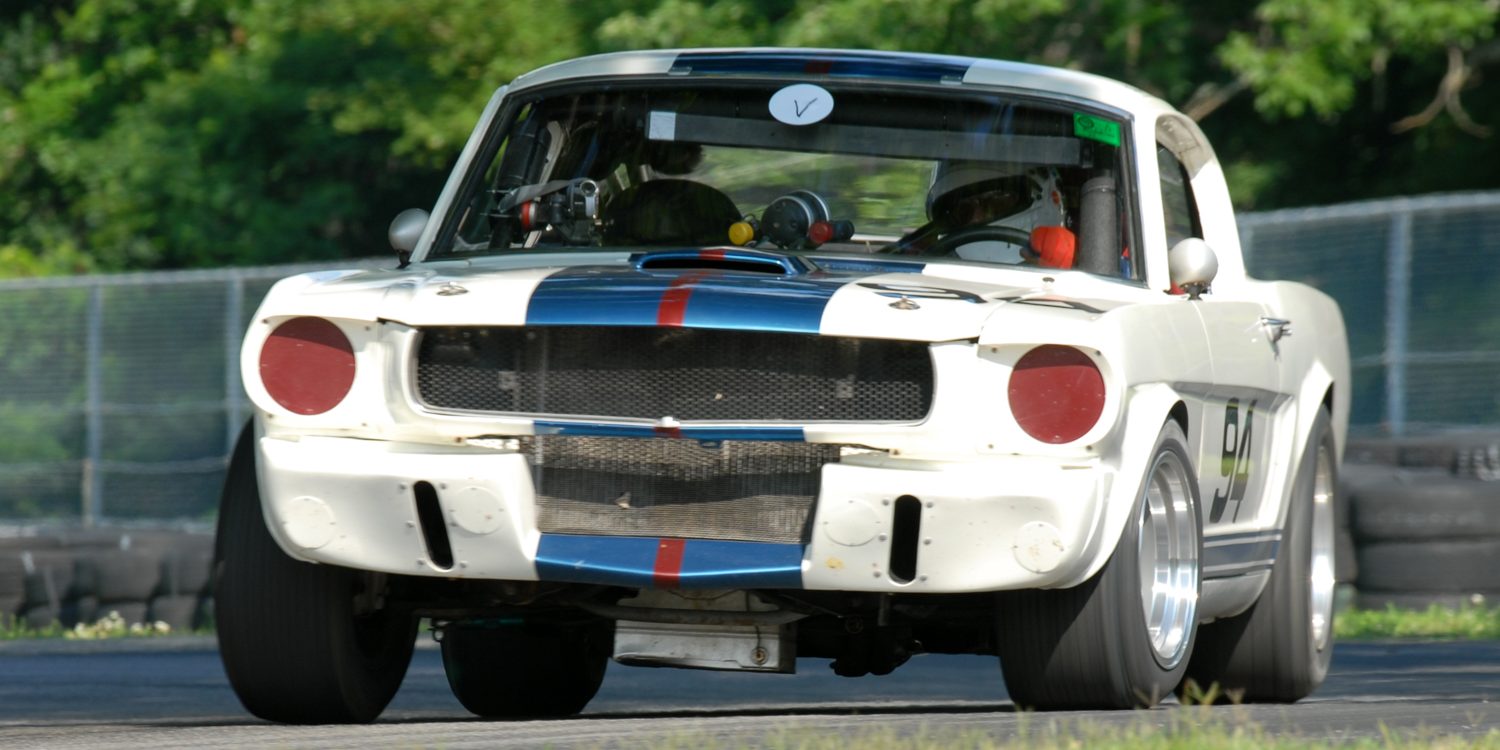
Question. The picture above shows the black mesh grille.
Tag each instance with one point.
(734, 490)
(684, 373)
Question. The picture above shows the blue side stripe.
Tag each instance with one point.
(631, 561)
(1228, 555)
(705, 434)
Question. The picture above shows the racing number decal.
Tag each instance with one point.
(1234, 462)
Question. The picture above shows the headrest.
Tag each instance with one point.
(669, 212)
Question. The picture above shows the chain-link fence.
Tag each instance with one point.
(120, 396)
(1419, 283)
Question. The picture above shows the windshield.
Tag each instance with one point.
(797, 168)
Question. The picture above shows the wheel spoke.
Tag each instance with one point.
(1320, 592)
(1168, 556)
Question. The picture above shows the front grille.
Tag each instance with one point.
(683, 373)
(735, 490)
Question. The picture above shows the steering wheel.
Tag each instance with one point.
(950, 242)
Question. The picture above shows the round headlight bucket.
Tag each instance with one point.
(307, 365)
(1056, 393)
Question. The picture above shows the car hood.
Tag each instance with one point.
(724, 289)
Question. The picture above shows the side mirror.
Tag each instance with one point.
(1192, 266)
(405, 230)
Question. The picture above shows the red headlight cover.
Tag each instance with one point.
(307, 365)
(1056, 393)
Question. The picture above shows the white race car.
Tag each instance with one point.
(719, 358)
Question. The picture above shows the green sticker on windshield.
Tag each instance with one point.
(1094, 128)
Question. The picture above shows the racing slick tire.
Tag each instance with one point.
(1278, 651)
(295, 644)
(501, 669)
(1441, 507)
(1446, 565)
(1123, 638)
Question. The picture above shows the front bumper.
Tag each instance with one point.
(993, 523)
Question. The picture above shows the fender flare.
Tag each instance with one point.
(1147, 409)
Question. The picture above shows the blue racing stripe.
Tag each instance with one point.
(692, 298)
(622, 561)
(870, 265)
(597, 296)
(705, 434)
(761, 303)
(632, 561)
(709, 563)
(833, 65)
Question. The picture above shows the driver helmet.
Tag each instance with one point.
(969, 193)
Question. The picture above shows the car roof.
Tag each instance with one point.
(836, 64)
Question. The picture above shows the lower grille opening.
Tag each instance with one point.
(753, 491)
(906, 532)
(434, 531)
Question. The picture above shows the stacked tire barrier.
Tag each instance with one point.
(1425, 518)
(71, 577)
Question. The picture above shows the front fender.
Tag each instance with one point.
(1148, 407)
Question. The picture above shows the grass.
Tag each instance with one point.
(1435, 623)
(111, 625)
(1187, 728)
(14, 629)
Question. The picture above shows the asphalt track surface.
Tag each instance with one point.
(171, 693)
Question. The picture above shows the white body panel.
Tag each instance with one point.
(1001, 509)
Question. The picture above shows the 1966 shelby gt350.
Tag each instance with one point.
(719, 358)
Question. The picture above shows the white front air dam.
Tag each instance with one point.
(354, 503)
(987, 526)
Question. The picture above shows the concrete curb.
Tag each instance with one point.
(135, 645)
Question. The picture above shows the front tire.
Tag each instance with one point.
(499, 669)
(1279, 650)
(1122, 639)
(295, 646)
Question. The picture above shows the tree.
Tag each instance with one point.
(163, 133)
(168, 133)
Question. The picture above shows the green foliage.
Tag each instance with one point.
(1311, 54)
(139, 134)
(1476, 622)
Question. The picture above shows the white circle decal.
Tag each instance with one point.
(801, 104)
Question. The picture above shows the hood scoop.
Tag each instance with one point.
(736, 260)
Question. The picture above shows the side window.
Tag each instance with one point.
(1178, 208)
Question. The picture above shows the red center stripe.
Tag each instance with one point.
(668, 570)
(673, 306)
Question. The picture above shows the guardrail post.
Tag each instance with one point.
(93, 475)
(1397, 319)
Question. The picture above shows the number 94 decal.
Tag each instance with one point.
(1234, 461)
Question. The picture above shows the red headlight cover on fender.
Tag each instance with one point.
(1056, 393)
(307, 365)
